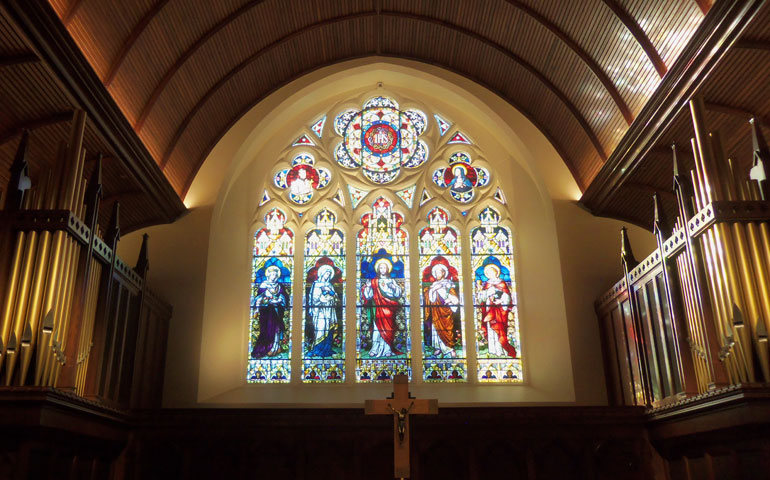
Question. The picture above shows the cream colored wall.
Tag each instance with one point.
(565, 256)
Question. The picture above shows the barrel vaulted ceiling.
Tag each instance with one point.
(590, 74)
(182, 72)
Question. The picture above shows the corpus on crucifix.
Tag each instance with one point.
(401, 405)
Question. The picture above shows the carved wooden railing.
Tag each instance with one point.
(694, 315)
(73, 316)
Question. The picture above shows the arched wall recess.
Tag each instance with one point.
(224, 330)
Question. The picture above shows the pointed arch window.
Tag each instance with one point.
(383, 171)
(494, 293)
(443, 347)
(383, 345)
(323, 351)
(271, 301)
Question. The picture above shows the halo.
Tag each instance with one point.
(494, 267)
(383, 260)
(271, 268)
(460, 167)
(439, 266)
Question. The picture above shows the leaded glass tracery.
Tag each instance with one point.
(323, 350)
(271, 301)
(381, 138)
(383, 346)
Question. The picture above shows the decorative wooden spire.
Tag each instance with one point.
(661, 223)
(143, 262)
(94, 193)
(19, 182)
(113, 231)
(761, 157)
(626, 255)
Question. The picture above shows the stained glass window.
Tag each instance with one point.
(494, 294)
(460, 177)
(302, 179)
(441, 296)
(323, 350)
(271, 301)
(382, 334)
(378, 165)
(381, 138)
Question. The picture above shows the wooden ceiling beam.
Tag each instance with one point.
(720, 29)
(71, 11)
(639, 34)
(535, 121)
(35, 124)
(752, 44)
(128, 44)
(609, 85)
(9, 60)
(540, 76)
(185, 56)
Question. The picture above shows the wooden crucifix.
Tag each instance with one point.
(401, 405)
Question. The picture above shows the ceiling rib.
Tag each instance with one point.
(580, 181)
(750, 44)
(582, 54)
(187, 54)
(639, 35)
(609, 85)
(136, 32)
(71, 11)
(7, 61)
(35, 124)
(540, 76)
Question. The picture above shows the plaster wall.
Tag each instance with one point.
(564, 256)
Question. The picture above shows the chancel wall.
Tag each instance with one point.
(563, 256)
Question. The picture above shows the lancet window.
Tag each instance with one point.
(323, 351)
(271, 301)
(382, 172)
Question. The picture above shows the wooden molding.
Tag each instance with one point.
(720, 29)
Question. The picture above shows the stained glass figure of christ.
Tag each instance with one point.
(382, 343)
(442, 306)
(323, 351)
(271, 300)
(494, 293)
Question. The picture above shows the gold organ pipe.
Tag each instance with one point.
(22, 299)
(66, 190)
(64, 294)
(10, 296)
(83, 339)
(694, 335)
(717, 294)
(722, 237)
(71, 272)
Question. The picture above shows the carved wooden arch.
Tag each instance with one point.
(606, 82)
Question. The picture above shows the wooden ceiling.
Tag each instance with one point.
(181, 72)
